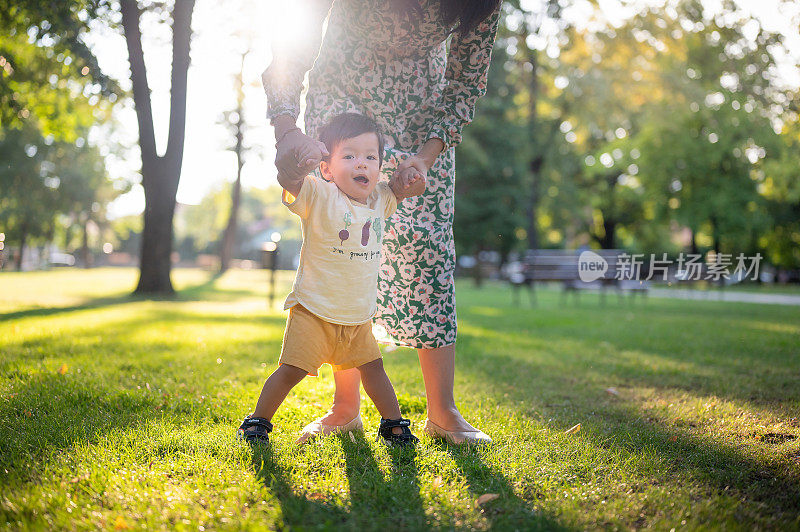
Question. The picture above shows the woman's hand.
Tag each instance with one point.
(297, 154)
(409, 178)
(430, 151)
(414, 162)
(412, 172)
(407, 182)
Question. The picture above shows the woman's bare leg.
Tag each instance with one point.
(438, 371)
(346, 397)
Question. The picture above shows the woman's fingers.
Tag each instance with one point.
(305, 155)
(298, 153)
(413, 162)
(309, 156)
(409, 176)
(411, 173)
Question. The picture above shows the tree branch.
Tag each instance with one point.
(181, 35)
(141, 90)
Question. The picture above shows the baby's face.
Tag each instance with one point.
(354, 166)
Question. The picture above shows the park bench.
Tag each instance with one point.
(559, 265)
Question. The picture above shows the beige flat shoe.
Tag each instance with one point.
(457, 436)
(318, 428)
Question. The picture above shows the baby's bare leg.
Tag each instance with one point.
(275, 390)
(379, 388)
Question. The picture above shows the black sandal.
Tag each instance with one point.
(260, 430)
(404, 438)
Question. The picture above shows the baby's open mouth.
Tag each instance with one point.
(361, 179)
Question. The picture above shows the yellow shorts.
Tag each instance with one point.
(309, 342)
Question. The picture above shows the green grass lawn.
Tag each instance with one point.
(120, 413)
(777, 289)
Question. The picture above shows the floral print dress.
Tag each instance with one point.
(418, 80)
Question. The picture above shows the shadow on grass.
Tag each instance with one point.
(298, 511)
(764, 489)
(205, 291)
(43, 413)
(378, 502)
(693, 351)
(508, 511)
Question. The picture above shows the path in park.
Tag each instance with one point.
(726, 295)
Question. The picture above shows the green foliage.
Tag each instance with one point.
(779, 183)
(51, 93)
(29, 196)
(47, 185)
(673, 114)
(699, 173)
(48, 76)
(490, 168)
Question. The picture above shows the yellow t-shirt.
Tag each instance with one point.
(337, 278)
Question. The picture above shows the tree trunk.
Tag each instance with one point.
(23, 239)
(535, 125)
(85, 260)
(156, 250)
(609, 216)
(477, 270)
(609, 227)
(537, 160)
(533, 203)
(694, 249)
(160, 174)
(229, 235)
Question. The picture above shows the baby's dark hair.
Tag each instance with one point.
(346, 126)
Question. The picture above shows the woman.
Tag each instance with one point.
(389, 61)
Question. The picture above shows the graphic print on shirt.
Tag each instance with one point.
(377, 226)
(365, 233)
(344, 234)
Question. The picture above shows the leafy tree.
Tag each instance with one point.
(48, 76)
(780, 188)
(160, 173)
(235, 121)
(66, 21)
(51, 93)
(28, 197)
(44, 182)
(489, 171)
(703, 144)
(694, 98)
(524, 39)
